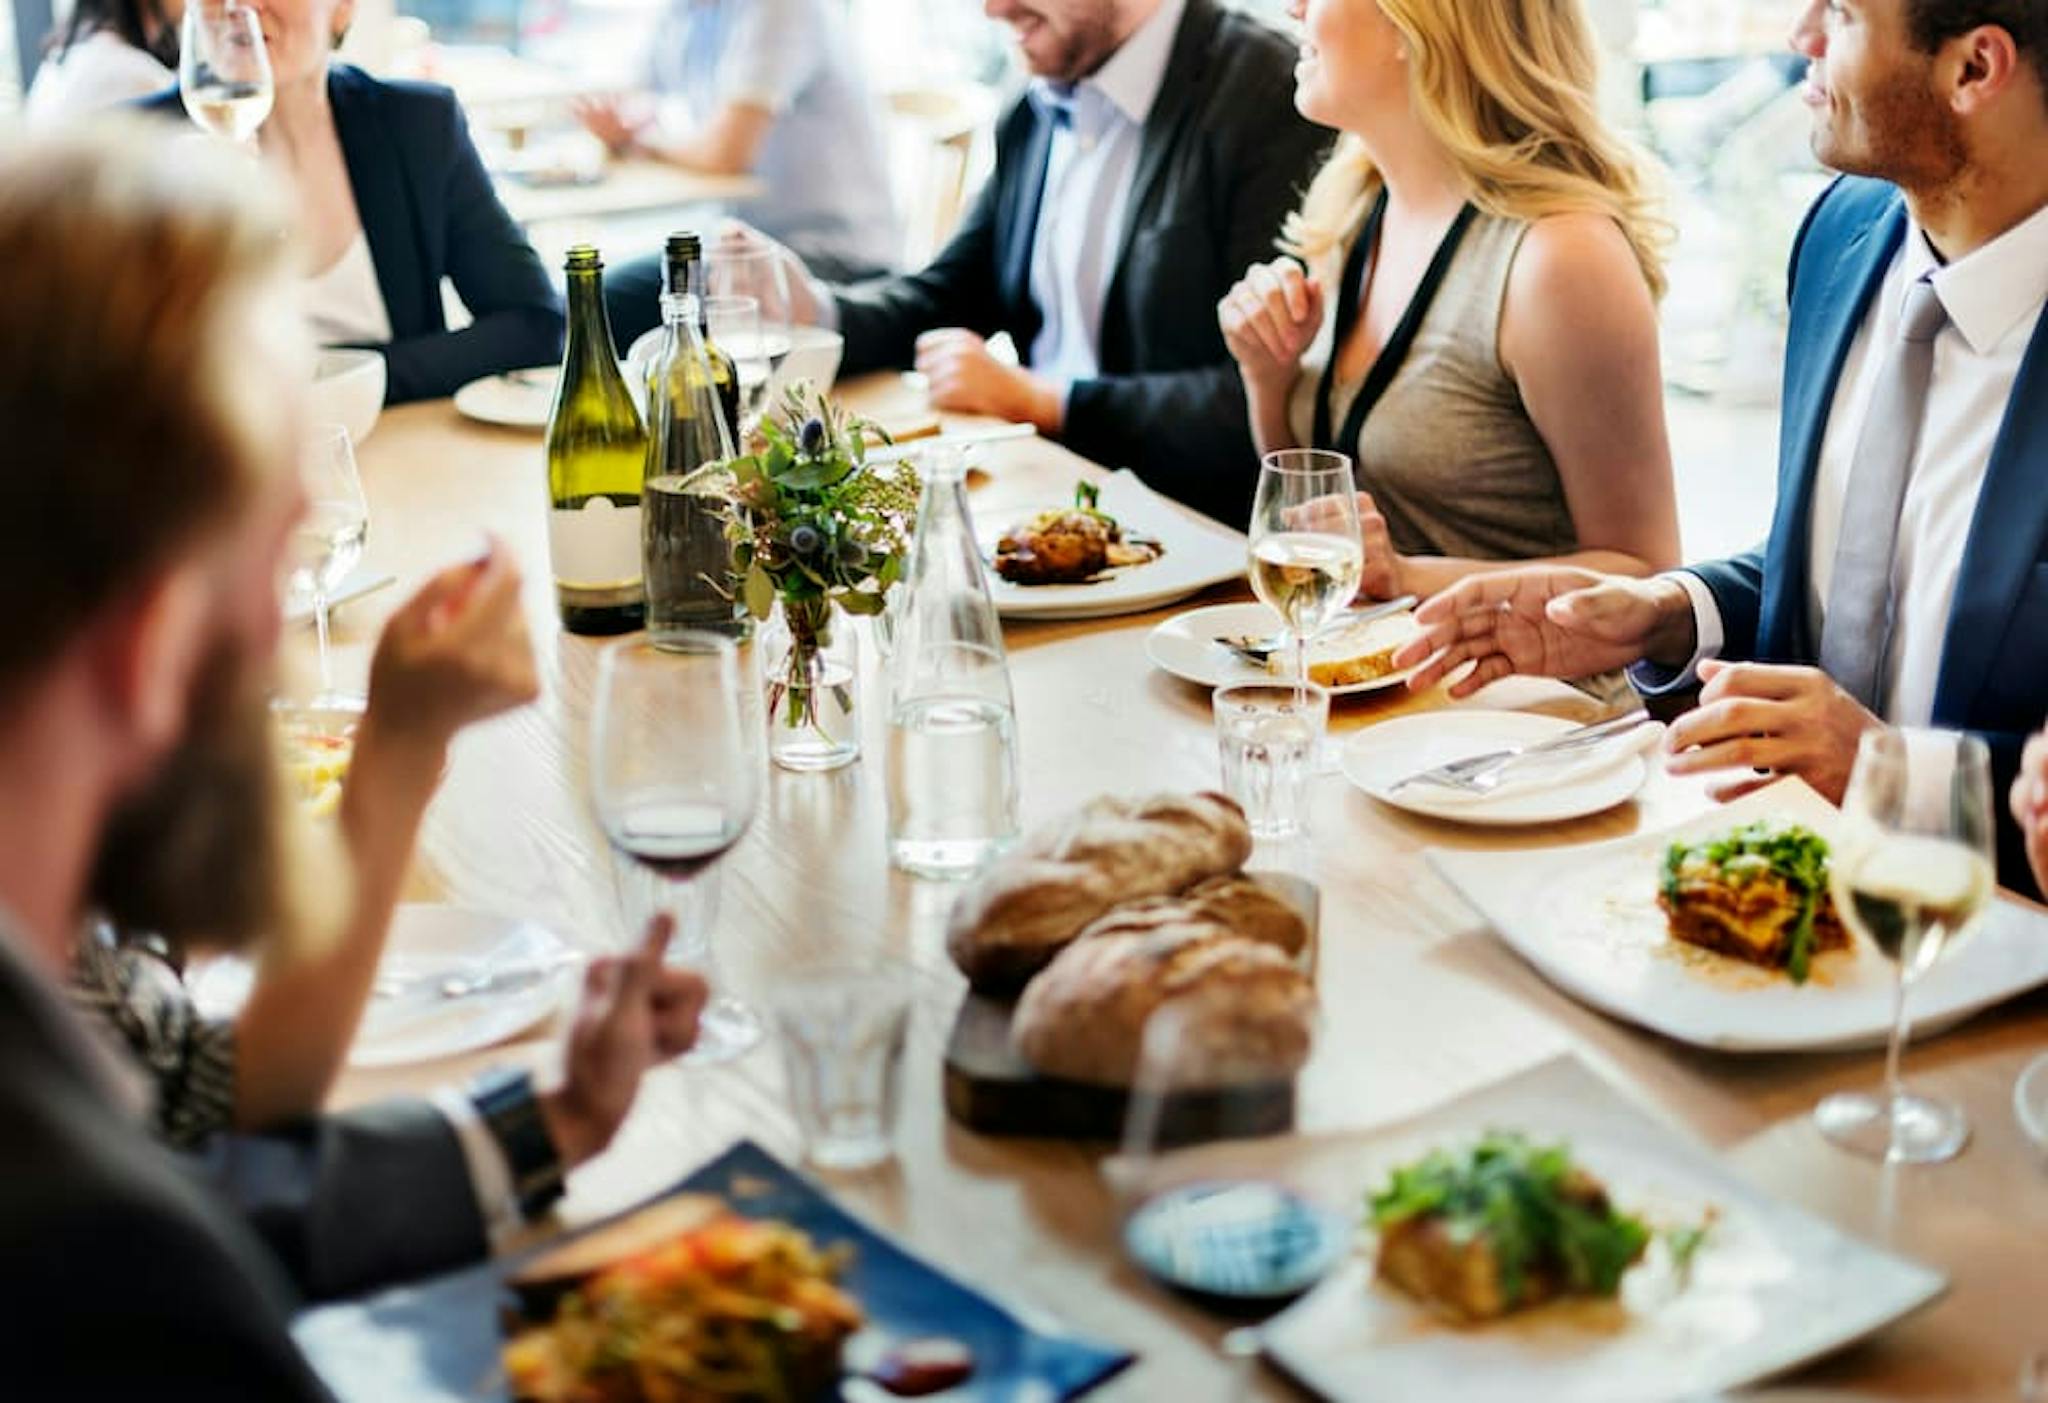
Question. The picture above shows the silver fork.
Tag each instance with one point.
(1482, 774)
(1258, 649)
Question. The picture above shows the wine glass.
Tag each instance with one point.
(224, 69)
(1306, 552)
(735, 327)
(328, 541)
(1912, 872)
(738, 270)
(675, 776)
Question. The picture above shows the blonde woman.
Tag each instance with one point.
(1468, 307)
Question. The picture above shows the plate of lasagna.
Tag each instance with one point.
(1721, 932)
(1111, 548)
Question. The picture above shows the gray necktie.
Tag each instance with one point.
(1857, 628)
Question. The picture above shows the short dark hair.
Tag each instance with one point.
(1933, 23)
(129, 20)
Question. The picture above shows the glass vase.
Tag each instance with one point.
(810, 670)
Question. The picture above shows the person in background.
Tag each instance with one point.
(1477, 325)
(2030, 806)
(1155, 155)
(109, 52)
(135, 767)
(457, 653)
(772, 89)
(392, 198)
(1906, 575)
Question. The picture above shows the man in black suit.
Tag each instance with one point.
(1153, 159)
(141, 538)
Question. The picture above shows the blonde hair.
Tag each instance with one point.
(1509, 88)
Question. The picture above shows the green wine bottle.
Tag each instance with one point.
(682, 271)
(597, 454)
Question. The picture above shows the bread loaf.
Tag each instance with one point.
(1247, 1008)
(1036, 900)
(1241, 905)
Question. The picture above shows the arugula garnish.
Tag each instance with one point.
(1514, 1193)
(1795, 853)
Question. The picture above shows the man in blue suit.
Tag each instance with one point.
(1906, 575)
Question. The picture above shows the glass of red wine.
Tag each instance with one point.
(675, 776)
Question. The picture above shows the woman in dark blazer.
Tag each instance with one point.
(393, 197)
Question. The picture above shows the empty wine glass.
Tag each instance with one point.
(328, 542)
(735, 327)
(1912, 872)
(1305, 548)
(675, 776)
(733, 270)
(224, 69)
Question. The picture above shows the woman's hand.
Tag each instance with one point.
(1382, 575)
(456, 653)
(2030, 805)
(1268, 320)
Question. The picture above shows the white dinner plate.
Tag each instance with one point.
(1771, 1287)
(412, 1022)
(1587, 919)
(1199, 553)
(518, 399)
(1185, 645)
(1379, 757)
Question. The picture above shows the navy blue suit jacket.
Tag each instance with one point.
(1994, 664)
(429, 212)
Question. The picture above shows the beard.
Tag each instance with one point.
(1898, 132)
(1083, 49)
(213, 852)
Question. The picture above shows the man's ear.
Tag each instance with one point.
(1988, 62)
(149, 652)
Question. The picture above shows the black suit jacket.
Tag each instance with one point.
(429, 211)
(1223, 159)
(126, 1275)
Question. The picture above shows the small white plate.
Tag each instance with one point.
(518, 399)
(1185, 645)
(1198, 553)
(1379, 757)
(415, 1024)
(1771, 1286)
(1587, 918)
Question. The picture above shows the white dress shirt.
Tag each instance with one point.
(1088, 175)
(1993, 297)
(100, 71)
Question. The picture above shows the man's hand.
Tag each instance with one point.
(966, 379)
(808, 296)
(454, 654)
(1547, 621)
(2030, 804)
(1766, 722)
(635, 1012)
(1268, 320)
(612, 121)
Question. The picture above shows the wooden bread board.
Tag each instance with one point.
(992, 1090)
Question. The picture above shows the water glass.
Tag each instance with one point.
(843, 1031)
(1268, 734)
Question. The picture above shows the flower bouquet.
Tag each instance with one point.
(819, 532)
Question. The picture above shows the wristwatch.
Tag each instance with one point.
(505, 1101)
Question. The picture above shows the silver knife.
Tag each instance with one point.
(1465, 774)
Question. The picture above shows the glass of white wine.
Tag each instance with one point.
(1306, 553)
(1912, 873)
(328, 541)
(733, 270)
(224, 69)
(735, 326)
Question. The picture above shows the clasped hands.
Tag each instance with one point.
(1755, 723)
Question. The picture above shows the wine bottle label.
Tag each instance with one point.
(595, 550)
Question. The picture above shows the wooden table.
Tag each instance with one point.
(1421, 1004)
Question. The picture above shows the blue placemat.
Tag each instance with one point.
(438, 1341)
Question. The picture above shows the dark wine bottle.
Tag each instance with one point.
(597, 452)
(682, 271)
(686, 548)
